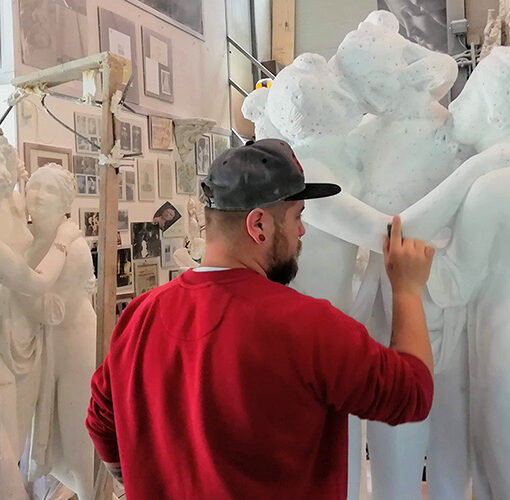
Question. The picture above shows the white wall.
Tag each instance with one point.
(200, 90)
(322, 24)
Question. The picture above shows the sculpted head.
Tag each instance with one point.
(482, 110)
(388, 74)
(306, 102)
(50, 191)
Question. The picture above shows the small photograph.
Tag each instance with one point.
(122, 303)
(89, 222)
(92, 185)
(81, 124)
(177, 228)
(92, 129)
(146, 180)
(166, 216)
(146, 276)
(119, 239)
(85, 165)
(168, 248)
(124, 270)
(166, 83)
(203, 154)
(136, 141)
(130, 185)
(88, 126)
(161, 133)
(82, 146)
(123, 220)
(81, 184)
(145, 240)
(125, 136)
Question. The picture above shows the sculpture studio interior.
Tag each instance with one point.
(112, 114)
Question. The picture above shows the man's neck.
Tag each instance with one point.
(218, 255)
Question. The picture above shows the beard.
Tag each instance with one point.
(282, 269)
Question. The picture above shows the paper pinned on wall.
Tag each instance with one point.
(151, 75)
(158, 51)
(120, 43)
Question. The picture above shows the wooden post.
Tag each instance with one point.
(284, 23)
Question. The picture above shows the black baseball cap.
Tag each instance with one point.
(259, 174)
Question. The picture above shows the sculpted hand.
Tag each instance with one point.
(67, 232)
(407, 261)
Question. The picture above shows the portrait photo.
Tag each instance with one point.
(89, 222)
(145, 240)
(203, 154)
(166, 216)
(124, 270)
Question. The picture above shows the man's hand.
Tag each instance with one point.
(407, 261)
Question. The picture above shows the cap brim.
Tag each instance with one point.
(315, 190)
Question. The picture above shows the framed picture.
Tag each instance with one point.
(90, 127)
(185, 178)
(146, 276)
(145, 240)
(177, 227)
(123, 222)
(86, 172)
(185, 14)
(157, 65)
(221, 144)
(123, 301)
(127, 183)
(203, 154)
(146, 180)
(52, 32)
(124, 270)
(89, 222)
(136, 139)
(38, 155)
(118, 35)
(166, 216)
(125, 136)
(172, 274)
(161, 133)
(168, 248)
(165, 176)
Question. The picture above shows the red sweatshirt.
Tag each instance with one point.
(224, 385)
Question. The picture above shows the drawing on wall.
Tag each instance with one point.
(203, 154)
(165, 175)
(52, 31)
(161, 132)
(118, 35)
(186, 14)
(146, 180)
(145, 240)
(221, 144)
(166, 216)
(146, 276)
(157, 65)
(90, 127)
(38, 155)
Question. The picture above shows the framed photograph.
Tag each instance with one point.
(185, 14)
(136, 139)
(166, 216)
(125, 136)
(165, 176)
(146, 276)
(172, 274)
(168, 248)
(123, 223)
(221, 144)
(161, 133)
(146, 180)
(86, 172)
(90, 127)
(89, 222)
(52, 32)
(177, 229)
(185, 178)
(157, 65)
(124, 270)
(122, 302)
(203, 154)
(118, 35)
(145, 240)
(127, 183)
(38, 155)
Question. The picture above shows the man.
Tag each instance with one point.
(224, 384)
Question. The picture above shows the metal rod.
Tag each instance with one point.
(237, 87)
(73, 99)
(238, 135)
(4, 116)
(251, 58)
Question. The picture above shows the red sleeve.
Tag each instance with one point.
(357, 375)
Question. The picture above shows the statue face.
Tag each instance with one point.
(43, 197)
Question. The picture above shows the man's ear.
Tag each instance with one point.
(258, 225)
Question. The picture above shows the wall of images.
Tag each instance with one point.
(176, 75)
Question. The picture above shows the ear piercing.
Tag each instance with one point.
(262, 237)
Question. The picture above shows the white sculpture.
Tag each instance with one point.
(400, 83)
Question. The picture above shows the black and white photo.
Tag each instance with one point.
(89, 222)
(146, 276)
(136, 139)
(203, 154)
(124, 270)
(123, 220)
(146, 180)
(145, 240)
(166, 216)
(125, 136)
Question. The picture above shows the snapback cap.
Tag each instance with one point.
(259, 174)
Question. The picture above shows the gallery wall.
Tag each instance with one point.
(200, 90)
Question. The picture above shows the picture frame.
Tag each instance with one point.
(90, 127)
(127, 183)
(165, 177)
(185, 178)
(146, 276)
(166, 216)
(186, 15)
(220, 144)
(38, 155)
(203, 154)
(125, 280)
(145, 240)
(174, 273)
(157, 65)
(123, 220)
(146, 180)
(178, 228)
(168, 247)
(118, 35)
(161, 133)
(86, 173)
(89, 222)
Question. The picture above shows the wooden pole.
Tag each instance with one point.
(284, 23)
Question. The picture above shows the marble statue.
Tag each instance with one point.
(399, 84)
